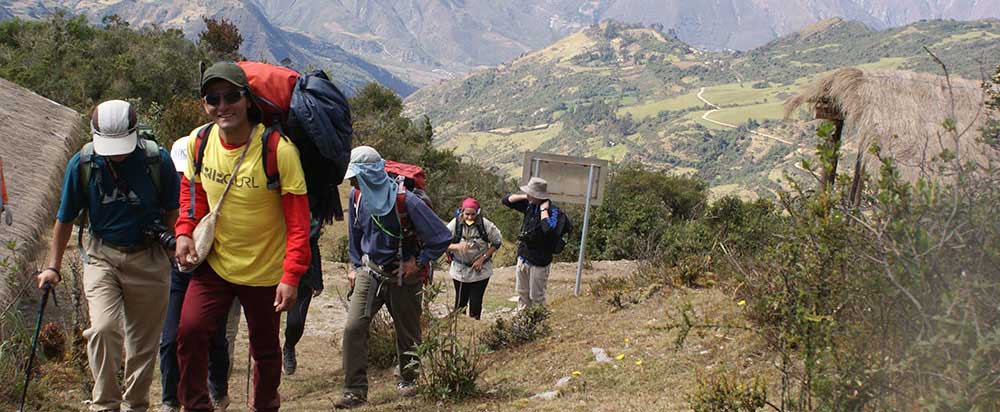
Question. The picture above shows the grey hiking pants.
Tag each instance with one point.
(404, 307)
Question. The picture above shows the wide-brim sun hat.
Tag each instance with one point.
(361, 154)
(537, 188)
(114, 126)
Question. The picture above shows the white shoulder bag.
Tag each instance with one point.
(204, 232)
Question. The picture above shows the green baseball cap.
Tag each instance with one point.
(227, 71)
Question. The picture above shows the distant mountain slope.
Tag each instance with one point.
(427, 40)
(424, 41)
(262, 40)
(625, 92)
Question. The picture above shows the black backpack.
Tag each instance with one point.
(456, 236)
(564, 227)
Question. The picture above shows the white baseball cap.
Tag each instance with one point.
(361, 154)
(179, 153)
(114, 126)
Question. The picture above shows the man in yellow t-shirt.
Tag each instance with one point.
(261, 246)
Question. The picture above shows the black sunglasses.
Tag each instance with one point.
(214, 99)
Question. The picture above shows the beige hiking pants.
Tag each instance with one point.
(127, 296)
(531, 282)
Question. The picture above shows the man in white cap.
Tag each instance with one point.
(128, 188)
(538, 237)
(392, 236)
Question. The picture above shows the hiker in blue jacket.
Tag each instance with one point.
(394, 237)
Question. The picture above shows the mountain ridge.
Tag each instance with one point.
(424, 41)
(262, 40)
(627, 93)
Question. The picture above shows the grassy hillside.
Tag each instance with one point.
(628, 93)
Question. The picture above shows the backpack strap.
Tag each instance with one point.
(481, 227)
(269, 155)
(153, 162)
(200, 142)
(456, 236)
(87, 166)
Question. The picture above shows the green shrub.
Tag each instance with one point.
(525, 326)
(640, 207)
(724, 393)
(382, 342)
(341, 252)
(449, 368)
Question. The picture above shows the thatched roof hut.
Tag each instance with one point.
(37, 138)
(902, 111)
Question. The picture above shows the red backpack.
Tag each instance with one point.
(408, 178)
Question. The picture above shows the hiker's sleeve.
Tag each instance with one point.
(493, 234)
(550, 223)
(170, 183)
(521, 206)
(297, 250)
(73, 197)
(451, 225)
(293, 180)
(431, 230)
(353, 233)
(185, 222)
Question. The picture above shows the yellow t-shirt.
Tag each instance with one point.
(249, 247)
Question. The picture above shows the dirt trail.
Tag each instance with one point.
(648, 372)
(732, 126)
(317, 383)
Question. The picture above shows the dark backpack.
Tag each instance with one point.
(564, 227)
(313, 113)
(480, 227)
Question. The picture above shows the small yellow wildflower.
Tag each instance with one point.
(741, 303)
(620, 356)
(626, 341)
(638, 362)
(577, 373)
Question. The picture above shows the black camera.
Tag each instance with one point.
(525, 237)
(158, 231)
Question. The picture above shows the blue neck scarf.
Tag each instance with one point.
(378, 191)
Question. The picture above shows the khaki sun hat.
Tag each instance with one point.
(537, 188)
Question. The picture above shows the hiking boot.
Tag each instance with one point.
(221, 405)
(170, 408)
(407, 389)
(288, 360)
(350, 401)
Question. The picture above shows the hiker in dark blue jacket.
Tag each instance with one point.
(536, 241)
(394, 237)
(310, 285)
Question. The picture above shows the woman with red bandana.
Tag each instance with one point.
(475, 239)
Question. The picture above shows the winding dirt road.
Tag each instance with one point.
(732, 126)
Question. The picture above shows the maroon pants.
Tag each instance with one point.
(207, 301)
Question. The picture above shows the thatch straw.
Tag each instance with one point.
(903, 112)
(37, 137)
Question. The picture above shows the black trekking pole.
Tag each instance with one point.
(34, 344)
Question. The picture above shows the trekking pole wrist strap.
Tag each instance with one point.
(58, 274)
